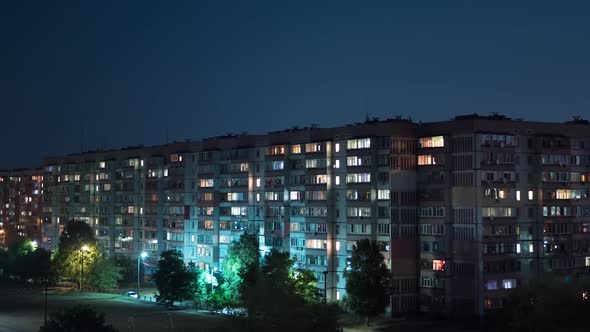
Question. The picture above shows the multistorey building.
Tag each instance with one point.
(500, 202)
(21, 205)
(463, 211)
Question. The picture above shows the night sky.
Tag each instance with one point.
(125, 73)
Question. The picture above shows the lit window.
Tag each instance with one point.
(518, 195)
(258, 181)
(338, 247)
(295, 195)
(361, 143)
(102, 164)
(492, 285)
(193, 238)
(258, 197)
(337, 163)
(509, 283)
(587, 261)
(337, 179)
(530, 195)
(313, 147)
(383, 194)
(277, 165)
(296, 149)
(429, 160)
(438, 265)
(531, 247)
(204, 183)
(337, 147)
(432, 142)
(518, 248)
(358, 178)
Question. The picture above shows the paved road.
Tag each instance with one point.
(21, 310)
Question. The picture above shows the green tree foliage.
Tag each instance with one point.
(174, 280)
(128, 268)
(70, 256)
(549, 303)
(104, 274)
(24, 261)
(367, 280)
(77, 319)
(275, 296)
(241, 256)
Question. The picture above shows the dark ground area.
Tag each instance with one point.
(22, 309)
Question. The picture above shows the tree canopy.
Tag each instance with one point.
(241, 256)
(549, 303)
(276, 295)
(174, 280)
(77, 319)
(71, 259)
(367, 280)
(104, 274)
(25, 261)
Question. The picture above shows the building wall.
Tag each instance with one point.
(463, 210)
(21, 205)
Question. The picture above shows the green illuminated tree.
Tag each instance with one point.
(241, 257)
(367, 280)
(174, 280)
(26, 262)
(104, 274)
(71, 259)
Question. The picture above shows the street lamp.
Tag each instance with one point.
(82, 251)
(211, 276)
(325, 286)
(139, 258)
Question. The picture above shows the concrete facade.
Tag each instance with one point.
(464, 210)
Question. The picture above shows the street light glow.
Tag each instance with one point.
(85, 248)
(144, 254)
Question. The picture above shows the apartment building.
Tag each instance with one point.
(21, 205)
(500, 202)
(464, 210)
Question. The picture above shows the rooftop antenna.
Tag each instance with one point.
(81, 136)
(366, 107)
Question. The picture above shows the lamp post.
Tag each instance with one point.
(82, 251)
(211, 276)
(139, 258)
(326, 286)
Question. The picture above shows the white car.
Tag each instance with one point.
(132, 294)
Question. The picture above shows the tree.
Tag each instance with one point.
(548, 303)
(241, 256)
(77, 319)
(105, 274)
(276, 295)
(71, 259)
(174, 280)
(367, 280)
(25, 261)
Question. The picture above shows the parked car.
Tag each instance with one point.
(132, 294)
